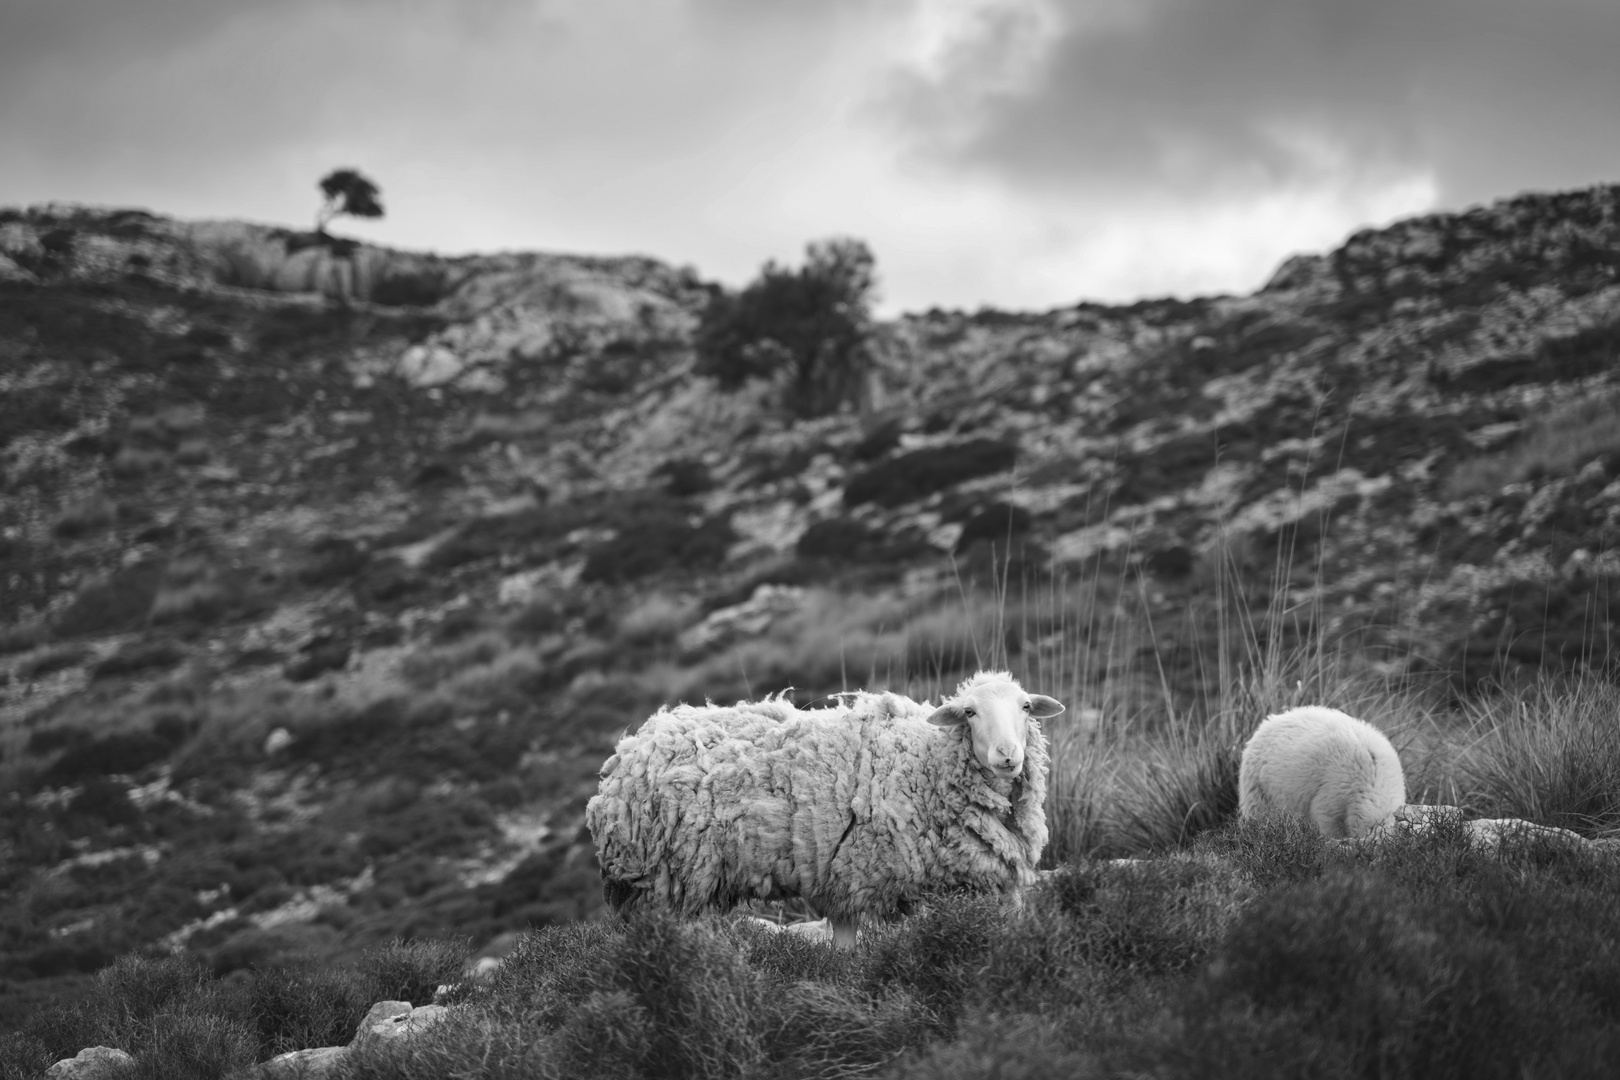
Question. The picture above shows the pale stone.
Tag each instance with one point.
(379, 1013)
(313, 1064)
(401, 1025)
(91, 1063)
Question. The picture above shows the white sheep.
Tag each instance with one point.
(1320, 764)
(859, 809)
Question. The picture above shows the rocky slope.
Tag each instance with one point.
(328, 573)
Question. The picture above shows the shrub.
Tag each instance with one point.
(995, 523)
(849, 540)
(922, 472)
(139, 656)
(808, 326)
(301, 1006)
(413, 970)
(412, 288)
(113, 605)
(660, 538)
(937, 955)
(120, 752)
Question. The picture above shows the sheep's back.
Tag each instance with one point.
(1321, 764)
(702, 807)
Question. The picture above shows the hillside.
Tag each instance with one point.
(329, 574)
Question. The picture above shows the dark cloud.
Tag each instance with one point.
(1193, 96)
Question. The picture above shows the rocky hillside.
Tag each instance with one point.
(328, 574)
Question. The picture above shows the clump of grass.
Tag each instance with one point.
(1548, 753)
(167, 1013)
(177, 1021)
(1553, 444)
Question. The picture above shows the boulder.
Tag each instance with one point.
(313, 1064)
(91, 1063)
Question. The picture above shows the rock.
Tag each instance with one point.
(91, 1063)
(391, 1021)
(1484, 833)
(381, 1012)
(314, 1064)
(1490, 832)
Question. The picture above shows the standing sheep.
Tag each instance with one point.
(860, 809)
(1322, 765)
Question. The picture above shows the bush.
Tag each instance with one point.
(139, 656)
(661, 538)
(922, 472)
(415, 288)
(808, 326)
(117, 604)
(120, 752)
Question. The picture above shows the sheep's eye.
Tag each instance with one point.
(968, 711)
(1026, 706)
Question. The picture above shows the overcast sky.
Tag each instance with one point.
(1020, 153)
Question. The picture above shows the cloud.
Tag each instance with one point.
(1199, 98)
(1013, 152)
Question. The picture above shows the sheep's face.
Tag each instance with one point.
(997, 714)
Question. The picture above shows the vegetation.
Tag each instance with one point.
(806, 327)
(1554, 444)
(347, 191)
(1262, 950)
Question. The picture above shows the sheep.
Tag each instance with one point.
(1320, 764)
(859, 809)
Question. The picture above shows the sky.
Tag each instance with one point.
(1022, 154)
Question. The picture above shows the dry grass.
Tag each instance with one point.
(1553, 444)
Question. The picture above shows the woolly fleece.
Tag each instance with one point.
(1322, 765)
(859, 809)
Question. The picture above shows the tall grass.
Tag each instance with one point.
(1548, 752)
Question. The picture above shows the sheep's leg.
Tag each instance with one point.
(844, 931)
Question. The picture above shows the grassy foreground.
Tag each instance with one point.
(1262, 950)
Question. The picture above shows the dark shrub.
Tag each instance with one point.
(412, 288)
(1274, 849)
(923, 472)
(937, 955)
(997, 523)
(810, 324)
(332, 559)
(413, 970)
(1414, 981)
(848, 540)
(139, 656)
(661, 538)
(106, 801)
(298, 1007)
(115, 605)
(121, 752)
(684, 477)
(878, 440)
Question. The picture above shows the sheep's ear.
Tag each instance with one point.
(948, 715)
(1041, 706)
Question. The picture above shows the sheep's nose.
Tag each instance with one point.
(1008, 761)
